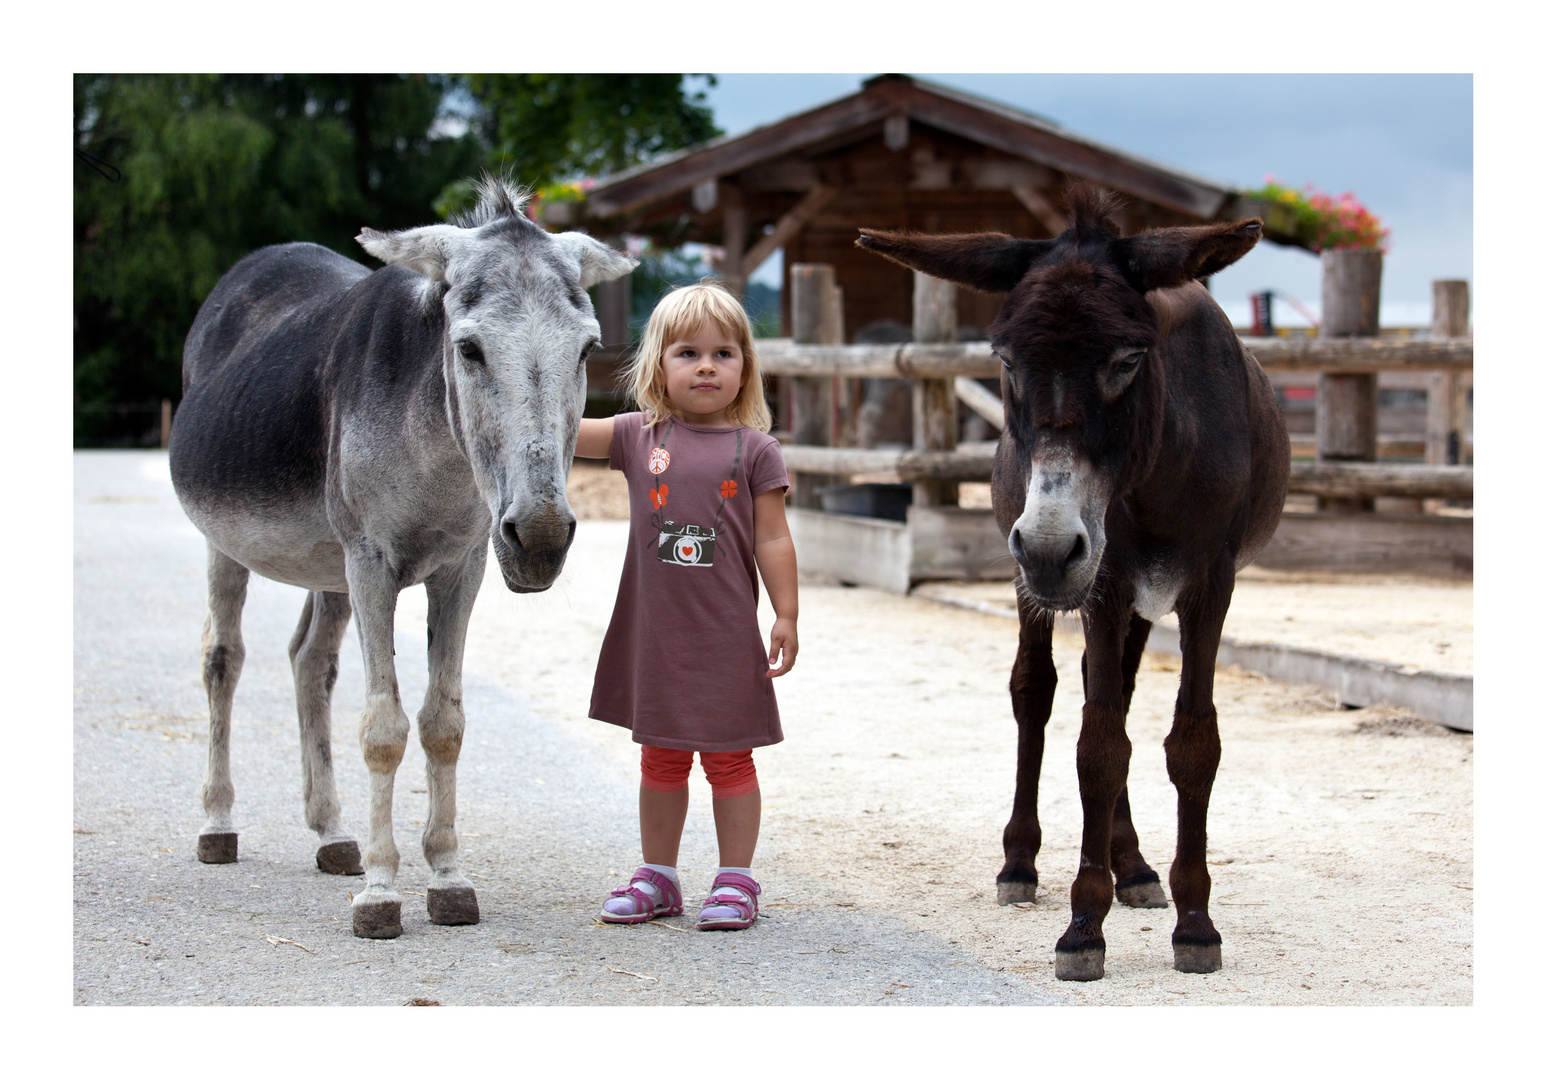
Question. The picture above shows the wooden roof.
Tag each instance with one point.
(901, 153)
(801, 151)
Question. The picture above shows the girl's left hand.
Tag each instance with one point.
(782, 638)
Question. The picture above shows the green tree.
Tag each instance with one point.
(211, 168)
(543, 128)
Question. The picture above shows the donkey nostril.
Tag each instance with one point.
(509, 534)
(1017, 547)
(1076, 552)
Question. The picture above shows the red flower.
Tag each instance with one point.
(728, 489)
(658, 496)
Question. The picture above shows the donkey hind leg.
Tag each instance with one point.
(1137, 883)
(314, 662)
(1101, 761)
(1032, 682)
(222, 655)
(1192, 760)
(451, 592)
(378, 909)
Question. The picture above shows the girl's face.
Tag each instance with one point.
(703, 375)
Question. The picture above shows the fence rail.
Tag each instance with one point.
(975, 461)
(973, 359)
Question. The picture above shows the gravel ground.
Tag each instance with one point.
(547, 823)
(1341, 840)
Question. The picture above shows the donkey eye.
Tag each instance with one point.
(470, 352)
(995, 353)
(586, 350)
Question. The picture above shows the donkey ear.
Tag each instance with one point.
(423, 250)
(1166, 258)
(597, 261)
(988, 262)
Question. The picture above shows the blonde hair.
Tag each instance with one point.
(680, 314)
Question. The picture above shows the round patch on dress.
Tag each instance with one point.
(659, 460)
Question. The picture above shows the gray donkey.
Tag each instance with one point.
(357, 433)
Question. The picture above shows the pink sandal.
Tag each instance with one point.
(644, 907)
(733, 891)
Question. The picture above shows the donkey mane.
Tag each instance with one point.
(499, 198)
(1092, 208)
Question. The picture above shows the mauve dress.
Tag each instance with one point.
(683, 664)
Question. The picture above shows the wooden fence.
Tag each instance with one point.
(821, 397)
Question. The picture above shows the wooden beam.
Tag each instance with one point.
(1368, 480)
(969, 461)
(981, 400)
(786, 228)
(1024, 137)
(678, 172)
(780, 356)
(1041, 208)
(975, 461)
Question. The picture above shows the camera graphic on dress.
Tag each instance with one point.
(686, 545)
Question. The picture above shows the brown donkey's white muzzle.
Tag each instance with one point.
(1060, 535)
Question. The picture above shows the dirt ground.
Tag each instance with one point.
(1341, 841)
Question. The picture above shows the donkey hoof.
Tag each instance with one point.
(1017, 892)
(456, 906)
(379, 916)
(1142, 893)
(1195, 959)
(340, 857)
(1085, 965)
(217, 847)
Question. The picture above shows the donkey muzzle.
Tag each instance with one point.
(531, 545)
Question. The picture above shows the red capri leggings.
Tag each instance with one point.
(730, 774)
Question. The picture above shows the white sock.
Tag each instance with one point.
(664, 871)
(619, 905)
(721, 911)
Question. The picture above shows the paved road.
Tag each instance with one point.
(546, 822)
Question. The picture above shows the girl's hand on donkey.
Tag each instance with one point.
(782, 638)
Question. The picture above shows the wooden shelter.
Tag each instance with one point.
(901, 153)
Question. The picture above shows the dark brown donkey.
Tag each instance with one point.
(1143, 462)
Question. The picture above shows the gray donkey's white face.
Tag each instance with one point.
(519, 327)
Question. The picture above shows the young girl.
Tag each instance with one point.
(683, 664)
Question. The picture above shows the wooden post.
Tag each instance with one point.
(614, 305)
(733, 237)
(1447, 394)
(813, 306)
(166, 423)
(1346, 405)
(934, 400)
(1447, 389)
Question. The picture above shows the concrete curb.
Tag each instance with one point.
(1439, 696)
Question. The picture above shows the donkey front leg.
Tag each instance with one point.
(314, 662)
(1192, 760)
(1032, 682)
(451, 592)
(1101, 761)
(378, 909)
(222, 655)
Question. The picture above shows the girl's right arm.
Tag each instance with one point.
(595, 438)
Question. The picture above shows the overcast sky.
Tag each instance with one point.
(1401, 143)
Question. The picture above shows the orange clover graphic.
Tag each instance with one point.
(728, 489)
(658, 496)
